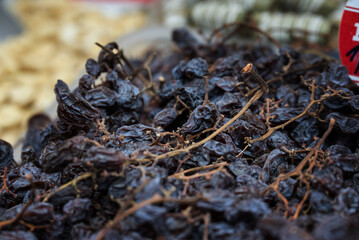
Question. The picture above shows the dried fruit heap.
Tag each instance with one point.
(215, 141)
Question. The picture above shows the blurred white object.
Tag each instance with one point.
(214, 14)
(174, 13)
(282, 25)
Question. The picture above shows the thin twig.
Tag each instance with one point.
(4, 187)
(298, 170)
(248, 69)
(300, 205)
(183, 161)
(272, 129)
(181, 175)
(178, 99)
(102, 127)
(27, 204)
(242, 25)
(214, 128)
(206, 220)
(255, 97)
(180, 138)
(144, 66)
(120, 56)
(207, 90)
(72, 182)
(282, 75)
(156, 198)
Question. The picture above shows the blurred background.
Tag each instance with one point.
(42, 41)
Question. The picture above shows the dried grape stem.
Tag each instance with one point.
(255, 97)
(156, 198)
(301, 165)
(33, 227)
(248, 69)
(4, 187)
(144, 66)
(102, 127)
(300, 205)
(298, 171)
(281, 196)
(268, 113)
(180, 175)
(241, 153)
(205, 101)
(94, 142)
(280, 77)
(10, 221)
(271, 130)
(249, 93)
(120, 56)
(242, 25)
(180, 138)
(27, 204)
(214, 128)
(72, 182)
(183, 161)
(184, 104)
(206, 220)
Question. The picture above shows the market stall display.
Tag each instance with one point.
(215, 140)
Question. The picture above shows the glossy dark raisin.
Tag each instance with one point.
(6, 154)
(92, 68)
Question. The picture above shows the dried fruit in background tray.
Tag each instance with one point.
(55, 44)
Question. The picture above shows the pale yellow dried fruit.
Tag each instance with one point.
(22, 95)
(55, 45)
(11, 115)
(12, 135)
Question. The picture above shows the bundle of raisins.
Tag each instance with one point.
(214, 141)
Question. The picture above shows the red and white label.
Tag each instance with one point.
(349, 39)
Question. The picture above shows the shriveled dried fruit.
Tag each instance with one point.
(202, 147)
(6, 154)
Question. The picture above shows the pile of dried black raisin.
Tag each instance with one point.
(214, 141)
